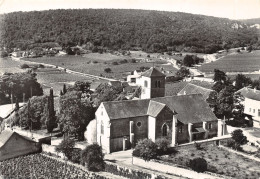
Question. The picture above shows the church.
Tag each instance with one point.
(181, 119)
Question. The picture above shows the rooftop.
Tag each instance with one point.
(194, 89)
(152, 72)
(250, 93)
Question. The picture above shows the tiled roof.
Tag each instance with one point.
(152, 72)
(250, 93)
(126, 109)
(189, 108)
(194, 89)
(7, 134)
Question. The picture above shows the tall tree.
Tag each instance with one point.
(242, 81)
(51, 118)
(75, 114)
(219, 76)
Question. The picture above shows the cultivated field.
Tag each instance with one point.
(219, 161)
(95, 64)
(235, 62)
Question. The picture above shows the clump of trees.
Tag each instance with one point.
(20, 86)
(191, 60)
(183, 72)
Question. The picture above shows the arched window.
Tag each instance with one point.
(164, 130)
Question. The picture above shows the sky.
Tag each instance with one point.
(232, 9)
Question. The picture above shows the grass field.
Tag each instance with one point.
(219, 161)
(96, 63)
(10, 66)
(235, 62)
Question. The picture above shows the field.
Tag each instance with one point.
(95, 64)
(9, 66)
(235, 62)
(51, 77)
(219, 161)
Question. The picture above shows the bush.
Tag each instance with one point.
(66, 146)
(146, 149)
(162, 145)
(93, 158)
(107, 70)
(198, 164)
(75, 155)
(114, 63)
(23, 66)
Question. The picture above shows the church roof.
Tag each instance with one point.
(194, 89)
(250, 93)
(188, 108)
(152, 72)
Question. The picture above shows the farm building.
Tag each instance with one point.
(13, 145)
(251, 104)
(181, 119)
(194, 89)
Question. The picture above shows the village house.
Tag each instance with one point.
(251, 104)
(180, 119)
(13, 145)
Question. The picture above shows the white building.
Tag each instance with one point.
(252, 104)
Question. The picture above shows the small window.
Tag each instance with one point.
(249, 109)
(258, 112)
(101, 113)
(180, 129)
(102, 127)
(210, 126)
(164, 130)
(139, 124)
(145, 83)
(253, 110)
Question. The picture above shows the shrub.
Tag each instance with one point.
(162, 145)
(93, 158)
(75, 155)
(23, 66)
(107, 70)
(115, 63)
(146, 149)
(66, 146)
(123, 61)
(198, 164)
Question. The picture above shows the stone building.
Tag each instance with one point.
(181, 119)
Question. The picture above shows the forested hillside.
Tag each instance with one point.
(151, 31)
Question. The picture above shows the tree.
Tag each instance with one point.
(225, 102)
(18, 83)
(242, 81)
(107, 70)
(75, 114)
(238, 105)
(51, 118)
(239, 138)
(146, 149)
(106, 92)
(66, 147)
(93, 158)
(183, 72)
(249, 48)
(81, 86)
(188, 61)
(64, 89)
(212, 100)
(163, 145)
(198, 164)
(219, 76)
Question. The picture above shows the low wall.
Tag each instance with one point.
(212, 141)
(51, 149)
(170, 169)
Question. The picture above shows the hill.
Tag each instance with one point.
(251, 21)
(150, 31)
